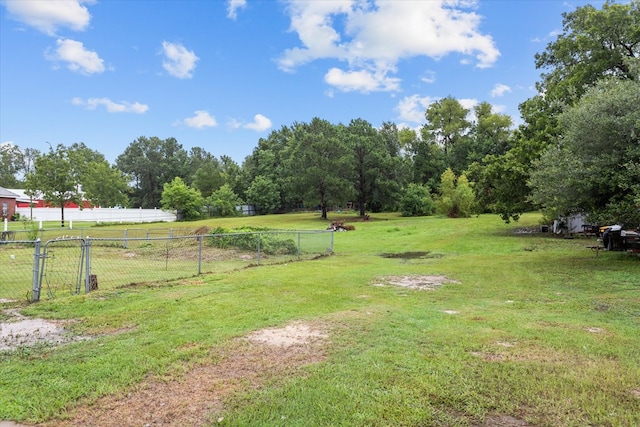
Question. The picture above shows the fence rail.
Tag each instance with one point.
(45, 234)
(31, 270)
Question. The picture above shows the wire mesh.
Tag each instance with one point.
(68, 265)
(63, 269)
(16, 270)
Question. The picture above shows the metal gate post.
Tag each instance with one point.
(331, 249)
(35, 281)
(87, 273)
(199, 254)
(258, 248)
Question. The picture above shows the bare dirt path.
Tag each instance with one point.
(197, 397)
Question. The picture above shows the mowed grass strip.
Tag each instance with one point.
(532, 327)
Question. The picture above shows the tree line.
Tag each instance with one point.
(576, 151)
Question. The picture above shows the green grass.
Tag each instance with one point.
(522, 343)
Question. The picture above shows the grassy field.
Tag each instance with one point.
(530, 329)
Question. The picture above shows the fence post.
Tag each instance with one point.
(299, 246)
(331, 247)
(87, 274)
(35, 281)
(124, 241)
(259, 248)
(199, 254)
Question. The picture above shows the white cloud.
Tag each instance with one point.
(233, 6)
(78, 58)
(49, 15)
(499, 90)
(363, 81)
(260, 123)
(468, 103)
(412, 108)
(429, 76)
(234, 124)
(110, 106)
(375, 36)
(202, 119)
(179, 62)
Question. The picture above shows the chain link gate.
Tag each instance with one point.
(65, 267)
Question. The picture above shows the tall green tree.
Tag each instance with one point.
(208, 177)
(11, 165)
(152, 162)
(105, 185)
(426, 157)
(55, 178)
(595, 167)
(233, 175)
(594, 44)
(395, 170)
(321, 164)
(372, 165)
(196, 159)
(448, 126)
(491, 133)
(271, 159)
(101, 184)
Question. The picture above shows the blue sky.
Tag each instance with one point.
(222, 74)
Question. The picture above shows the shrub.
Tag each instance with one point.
(456, 196)
(416, 201)
(246, 238)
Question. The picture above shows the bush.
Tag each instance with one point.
(456, 196)
(416, 201)
(246, 238)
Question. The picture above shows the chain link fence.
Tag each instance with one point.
(17, 260)
(45, 234)
(70, 265)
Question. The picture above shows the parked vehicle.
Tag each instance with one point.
(615, 238)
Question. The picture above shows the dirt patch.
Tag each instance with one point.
(411, 255)
(288, 336)
(197, 398)
(504, 421)
(423, 283)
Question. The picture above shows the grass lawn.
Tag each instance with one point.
(527, 329)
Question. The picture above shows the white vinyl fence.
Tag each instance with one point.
(98, 214)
